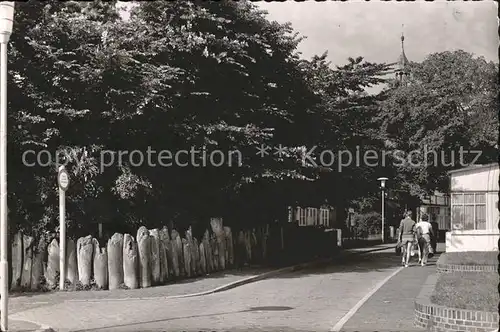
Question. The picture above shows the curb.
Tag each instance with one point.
(241, 282)
(447, 268)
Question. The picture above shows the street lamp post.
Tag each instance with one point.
(6, 22)
(382, 186)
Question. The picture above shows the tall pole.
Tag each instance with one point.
(383, 215)
(6, 22)
(63, 180)
(62, 238)
(4, 267)
(382, 186)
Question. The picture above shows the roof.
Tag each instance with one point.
(403, 62)
(473, 167)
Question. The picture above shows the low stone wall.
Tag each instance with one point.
(447, 268)
(436, 318)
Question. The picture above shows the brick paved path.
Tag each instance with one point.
(391, 308)
(313, 299)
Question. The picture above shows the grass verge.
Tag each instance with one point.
(470, 258)
(467, 290)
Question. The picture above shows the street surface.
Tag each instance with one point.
(314, 299)
(23, 301)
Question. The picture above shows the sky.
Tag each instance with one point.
(373, 29)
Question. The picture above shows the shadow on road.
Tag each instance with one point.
(358, 263)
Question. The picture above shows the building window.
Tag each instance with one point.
(468, 211)
(324, 217)
(312, 216)
(301, 214)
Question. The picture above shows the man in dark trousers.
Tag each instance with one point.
(434, 239)
(424, 229)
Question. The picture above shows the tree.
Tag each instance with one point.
(56, 91)
(123, 86)
(344, 121)
(450, 104)
(209, 76)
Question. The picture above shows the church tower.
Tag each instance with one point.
(402, 66)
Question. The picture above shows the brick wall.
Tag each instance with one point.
(437, 318)
(446, 268)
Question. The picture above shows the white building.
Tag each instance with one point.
(474, 209)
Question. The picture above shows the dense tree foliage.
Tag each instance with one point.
(87, 85)
(449, 105)
(92, 88)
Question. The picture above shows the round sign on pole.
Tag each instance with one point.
(63, 179)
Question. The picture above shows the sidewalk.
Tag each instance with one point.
(391, 308)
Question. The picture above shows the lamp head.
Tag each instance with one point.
(6, 20)
(382, 181)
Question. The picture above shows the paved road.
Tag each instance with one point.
(309, 300)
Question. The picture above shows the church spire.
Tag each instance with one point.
(402, 70)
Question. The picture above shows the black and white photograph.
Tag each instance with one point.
(241, 166)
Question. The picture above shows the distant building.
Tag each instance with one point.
(437, 206)
(324, 216)
(474, 209)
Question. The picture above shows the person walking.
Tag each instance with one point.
(406, 237)
(426, 233)
(434, 239)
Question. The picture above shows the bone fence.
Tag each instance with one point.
(154, 256)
